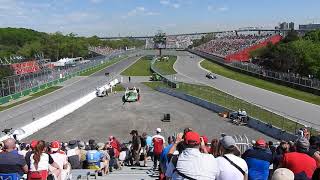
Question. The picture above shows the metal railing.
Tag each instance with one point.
(15, 87)
(285, 77)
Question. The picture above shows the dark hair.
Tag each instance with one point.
(232, 150)
(38, 152)
(171, 139)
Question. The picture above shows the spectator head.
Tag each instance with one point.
(33, 144)
(282, 174)
(314, 141)
(73, 144)
(158, 130)
(205, 139)
(40, 148)
(171, 139)
(192, 139)
(186, 130)
(24, 146)
(302, 145)
(144, 134)
(91, 141)
(10, 144)
(100, 146)
(81, 145)
(55, 146)
(260, 143)
(228, 145)
(1, 145)
(134, 132)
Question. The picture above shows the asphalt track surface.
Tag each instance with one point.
(297, 110)
(25, 113)
(107, 116)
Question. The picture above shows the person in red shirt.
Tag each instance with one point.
(115, 144)
(299, 162)
(158, 143)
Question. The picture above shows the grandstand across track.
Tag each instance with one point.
(23, 114)
(289, 107)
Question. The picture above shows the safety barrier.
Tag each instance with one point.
(171, 82)
(6, 99)
(254, 123)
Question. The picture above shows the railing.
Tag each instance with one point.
(168, 79)
(310, 85)
(15, 87)
(286, 77)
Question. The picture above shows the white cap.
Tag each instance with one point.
(158, 130)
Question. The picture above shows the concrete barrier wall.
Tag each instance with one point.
(253, 123)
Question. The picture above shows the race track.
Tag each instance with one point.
(74, 89)
(289, 107)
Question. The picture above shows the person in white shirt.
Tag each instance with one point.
(230, 165)
(61, 159)
(192, 164)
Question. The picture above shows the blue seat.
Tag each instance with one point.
(11, 176)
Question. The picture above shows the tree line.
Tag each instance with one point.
(28, 43)
(294, 53)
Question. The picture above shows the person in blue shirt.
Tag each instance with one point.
(164, 154)
(149, 146)
(94, 158)
(258, 160)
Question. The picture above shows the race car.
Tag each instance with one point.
(211, 76)
(131, 95)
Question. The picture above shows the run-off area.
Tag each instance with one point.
(107, 116)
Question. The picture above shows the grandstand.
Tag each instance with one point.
(234, 47)
(172, 42)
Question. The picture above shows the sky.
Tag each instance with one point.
(106, 18)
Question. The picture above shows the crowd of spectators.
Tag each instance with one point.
(231, 43)
(103, 50)
(172, 42)
(185, 156)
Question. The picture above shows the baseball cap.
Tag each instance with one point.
(303, 143)
(192, 138)
(282, 174)
(158, 130)
(227, 142)
(55, 145)
(34, 144)
(260, 142)
(205, 139)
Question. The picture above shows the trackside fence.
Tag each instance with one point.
(45, 79)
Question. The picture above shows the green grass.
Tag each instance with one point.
(32, 96)
(102, 66)
(139, 68)
(218, 97)
(287, 91)
(118, 88)
(165, 67)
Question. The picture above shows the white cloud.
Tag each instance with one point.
(223, 9)
(164, 2)
(176, 5)
(139, 11)
(169, 3)
(96, 1)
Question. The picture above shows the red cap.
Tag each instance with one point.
(34, 144)
(261, 142)
(205, 139)
(55, 145)
(192, 137)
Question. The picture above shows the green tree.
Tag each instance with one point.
(160, 41)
